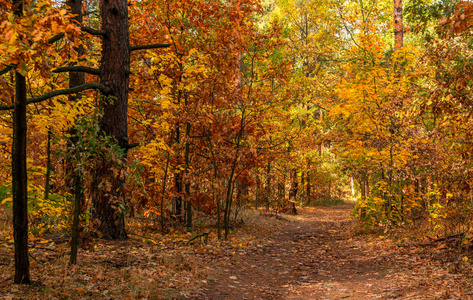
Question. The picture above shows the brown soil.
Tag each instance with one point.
(317, 257)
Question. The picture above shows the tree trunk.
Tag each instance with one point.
(398, 28)
(308, 183)
(20, 176)
(268, 186)
(352, 188)
(19, 183)
(47, 181)
(294, 186)
(78, 192)
(77, 188)
(164, 191)
(114, 73)
(177, 204)
(228, 198)
(364, 194)
(188, 184)
(301, 197)
(258, 190)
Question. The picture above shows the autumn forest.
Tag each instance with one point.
(157, 140)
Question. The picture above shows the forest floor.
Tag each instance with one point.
(314, 255)
(318, 257)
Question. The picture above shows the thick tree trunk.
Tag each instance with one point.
(19, 175)
(19, 183)
(114, 73)
(398, 29)
(294, 186)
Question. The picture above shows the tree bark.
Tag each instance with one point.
(114, 73)
(301, 197)
(19, 183)
(76, 182)
(308, 182)
(294, 186)
(47, 181)
(398, 28)
(268, 186)
(177, 204)
(19, 175)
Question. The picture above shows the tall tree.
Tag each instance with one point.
(114, 73)
(75, 178)
(398, 28)
(19, 174)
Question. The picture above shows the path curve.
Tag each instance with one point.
(318, 258)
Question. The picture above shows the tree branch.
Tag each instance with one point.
(132, 145)
(92, 30)
(7, 69)
(77, 69)
(73, 90)
(151, 46)
(56, 38)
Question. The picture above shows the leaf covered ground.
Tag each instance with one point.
(314, 255)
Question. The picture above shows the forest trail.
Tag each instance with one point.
(317, 257)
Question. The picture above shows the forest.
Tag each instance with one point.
(142, 139)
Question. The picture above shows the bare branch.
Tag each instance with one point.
(151, 46)
(132, 145)
(73, 90)
(77, 69)
(6, 107)
(92, 30)
(7, 69)
(56, 38)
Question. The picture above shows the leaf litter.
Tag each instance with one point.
(314, 255)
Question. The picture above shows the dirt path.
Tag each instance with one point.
(316, 257)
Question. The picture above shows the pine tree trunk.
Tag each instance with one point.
(114, 73)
